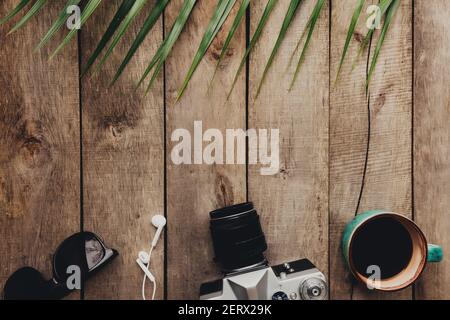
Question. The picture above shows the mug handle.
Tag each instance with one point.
(435, 253)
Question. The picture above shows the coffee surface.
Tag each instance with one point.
(382, 242)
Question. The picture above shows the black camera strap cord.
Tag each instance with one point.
(369, 133)
(366, 160)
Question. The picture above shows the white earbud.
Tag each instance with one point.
(146, 271)
(159, 222)
(144, 257)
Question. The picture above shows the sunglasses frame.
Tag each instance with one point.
(57, 287)
(108, 256)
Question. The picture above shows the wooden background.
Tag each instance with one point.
(79, 155)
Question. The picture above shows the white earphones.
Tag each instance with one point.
(159, 222)
(146, 271)
(143, 259)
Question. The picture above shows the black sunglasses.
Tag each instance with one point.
(84, 250)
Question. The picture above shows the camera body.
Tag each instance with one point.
(297, 280)
(239, 245)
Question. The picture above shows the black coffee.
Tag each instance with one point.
(383, 242)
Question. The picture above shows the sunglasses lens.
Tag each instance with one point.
(94, 252)
(26, 284)
(83, 250)
(70, 254)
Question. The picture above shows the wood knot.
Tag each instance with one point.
(223, 191)
(116, 130)
(34, 153)
(215, 51)
(284, 173)
(117, 124)
(358, 36)
(34, 150)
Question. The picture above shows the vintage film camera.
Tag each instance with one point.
(239, 246)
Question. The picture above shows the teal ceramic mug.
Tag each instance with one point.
(389, 246)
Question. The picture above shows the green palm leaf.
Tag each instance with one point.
(87, 12)
(389, 15)
(313, 20)
(122, 29)
(260, 27)
(362, 47)
(14, 12)
(384, 5)
(299, 42)
(164, 50)
(351, 30)
(221, 13)
(293, 6)
(154, 15)
(236, 22)
(62, 17)
(114, 24)
(31, 13)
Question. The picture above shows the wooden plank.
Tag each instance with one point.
(389, 172)
(348, 137)
(388, 178)
(123, 148)
(432, 137)
(293, 203)
(39, 146)
(194, 190)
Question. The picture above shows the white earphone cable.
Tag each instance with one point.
(145, 277)
(158, 221)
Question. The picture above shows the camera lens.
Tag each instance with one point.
(238, 238)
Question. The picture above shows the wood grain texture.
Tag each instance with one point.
(195, 190)
(348, 137)
(293, 204)
(323, 139)
(388, 178)
(39, 146)
(123, 151)
(432, 138)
